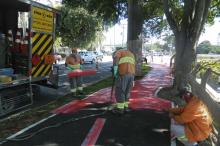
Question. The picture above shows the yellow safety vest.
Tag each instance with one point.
(75, 66)
(126, 60)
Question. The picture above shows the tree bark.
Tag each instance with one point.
(184, 60)
(187, 31)
(134, 40)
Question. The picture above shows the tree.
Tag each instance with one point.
(78, 27)
(138, 13)
(215, 50)
(169, 42)
(186, 20)
(204, 47)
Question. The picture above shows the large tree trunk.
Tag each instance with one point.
(184, 59)
(187, 30)
(134, 40)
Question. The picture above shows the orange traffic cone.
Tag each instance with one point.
(24, 44)
(10, 40)
(18, 40)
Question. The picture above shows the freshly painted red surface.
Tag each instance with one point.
(94, 132)
(142, 94)
(79, 72)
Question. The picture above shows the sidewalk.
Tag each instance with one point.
(86, 122)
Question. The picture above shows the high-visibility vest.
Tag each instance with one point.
(126, 63)
(75, 66)
(126, 59)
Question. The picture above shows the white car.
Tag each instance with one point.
(99, 55)
(88, 56)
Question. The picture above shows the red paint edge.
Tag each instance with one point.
(94, 132)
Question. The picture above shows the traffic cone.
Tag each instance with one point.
(10, 40)
(18, 40)
(24, 44)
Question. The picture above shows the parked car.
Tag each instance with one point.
(88, 56)
(99, 55)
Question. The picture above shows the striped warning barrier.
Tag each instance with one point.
(42, 45)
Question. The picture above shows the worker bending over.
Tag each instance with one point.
(124, 71)
(73, 62)
(192, 123)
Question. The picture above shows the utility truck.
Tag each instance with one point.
(27, 33)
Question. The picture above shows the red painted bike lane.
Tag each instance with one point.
(88, 128)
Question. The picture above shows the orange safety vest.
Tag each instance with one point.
(126, 64)
(195, 118)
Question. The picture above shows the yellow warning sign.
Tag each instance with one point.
(42, 20)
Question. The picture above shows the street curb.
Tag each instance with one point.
(27, 128)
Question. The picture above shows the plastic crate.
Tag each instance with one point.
(7, 71)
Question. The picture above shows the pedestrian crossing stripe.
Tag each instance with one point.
(42, 45)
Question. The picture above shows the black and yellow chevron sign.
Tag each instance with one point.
(42, 45)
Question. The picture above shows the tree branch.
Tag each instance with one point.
(205, 14)
(205, 77)
(216, 5)
(188, 8)
(197, 18)
(201, 14)
(168, 14)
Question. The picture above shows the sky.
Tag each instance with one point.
(212, 33)
(114, 35)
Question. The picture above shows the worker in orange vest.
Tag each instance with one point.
(124, 71)
(192, 123)
(73, 62)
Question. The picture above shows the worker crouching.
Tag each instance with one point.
(73, 62)
(124, 71)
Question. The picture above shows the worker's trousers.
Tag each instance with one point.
(123, 87)
(177, 130)
(76, 84)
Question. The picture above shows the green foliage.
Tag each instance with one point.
(154, 23)
(156, 46)
(214, 65)
(78, 28)
(169, 42)
(111, 11)
(215, 50)
(205, 47)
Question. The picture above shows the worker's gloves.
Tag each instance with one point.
(81, 67)
(115, 71)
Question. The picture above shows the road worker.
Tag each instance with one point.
(73, 62)
(124, 71)
(191, 123)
